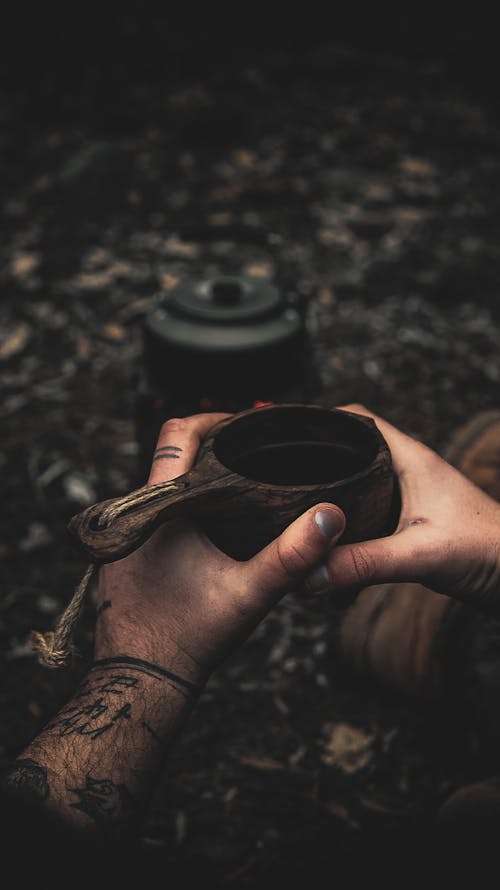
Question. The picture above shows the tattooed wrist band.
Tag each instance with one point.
(149, 668)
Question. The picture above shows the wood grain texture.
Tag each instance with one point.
(240, 514)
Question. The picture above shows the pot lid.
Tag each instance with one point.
(224, 299)
(223, 314)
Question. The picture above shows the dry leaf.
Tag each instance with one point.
(97, 257)
(79, 489)
(225, 193)
(83, 348)
(342, 813)
(326, 296)
(93, 280)
(267, 764)
(327, 237)
(134, 197)
(34, 709)
(114, 331)
(259, 270)
(174, 245)
(417, 166)
(37, 535)
(244, 158)
(136, 308)
(348, 748)
(24, 265)
(168, 281)
(377, 192)
(224, 218)
(15, 341)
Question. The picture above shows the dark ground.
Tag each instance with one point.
(382, 177)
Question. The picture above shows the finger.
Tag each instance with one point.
(406, 556)
(178, 445)
(289, 558)
(397, 441)
(405, 451)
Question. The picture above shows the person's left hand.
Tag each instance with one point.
(180, 602)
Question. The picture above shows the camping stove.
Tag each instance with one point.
(220, 344)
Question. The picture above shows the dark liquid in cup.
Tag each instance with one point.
(299, 463)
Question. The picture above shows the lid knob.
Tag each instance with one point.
(226, 293)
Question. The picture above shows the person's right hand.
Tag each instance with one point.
(448, 536)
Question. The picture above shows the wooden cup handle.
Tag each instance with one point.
(114, 528)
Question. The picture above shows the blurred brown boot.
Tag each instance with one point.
(397, 632)
(472, 815)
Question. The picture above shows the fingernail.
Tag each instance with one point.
(319, 580)
(329, 522)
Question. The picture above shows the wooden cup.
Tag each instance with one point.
(254, 474)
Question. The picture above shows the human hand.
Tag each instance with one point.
(181, 603)
(448, 535)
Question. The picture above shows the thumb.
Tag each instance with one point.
(289, 558)
(350, 567)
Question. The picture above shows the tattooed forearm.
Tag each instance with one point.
(106, 803)
(102, 608)
(94, 710)
(151, 670)
(28, 777)
(98, 756)
(152, 733)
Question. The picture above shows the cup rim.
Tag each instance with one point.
(366, 421)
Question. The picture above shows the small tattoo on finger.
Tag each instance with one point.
(166, 457)
(167, 452)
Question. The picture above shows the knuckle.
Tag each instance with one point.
(433, 462)
(355, 407)
(362, 564)
(175, 425)
(358, 406)
(292, 560)
(432, 456)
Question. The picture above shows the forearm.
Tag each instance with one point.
(95, 762)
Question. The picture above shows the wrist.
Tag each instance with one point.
(127, 663)
(154, 648)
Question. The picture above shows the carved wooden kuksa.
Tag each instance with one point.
(254, 474)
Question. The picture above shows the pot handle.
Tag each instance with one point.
(112, 529)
